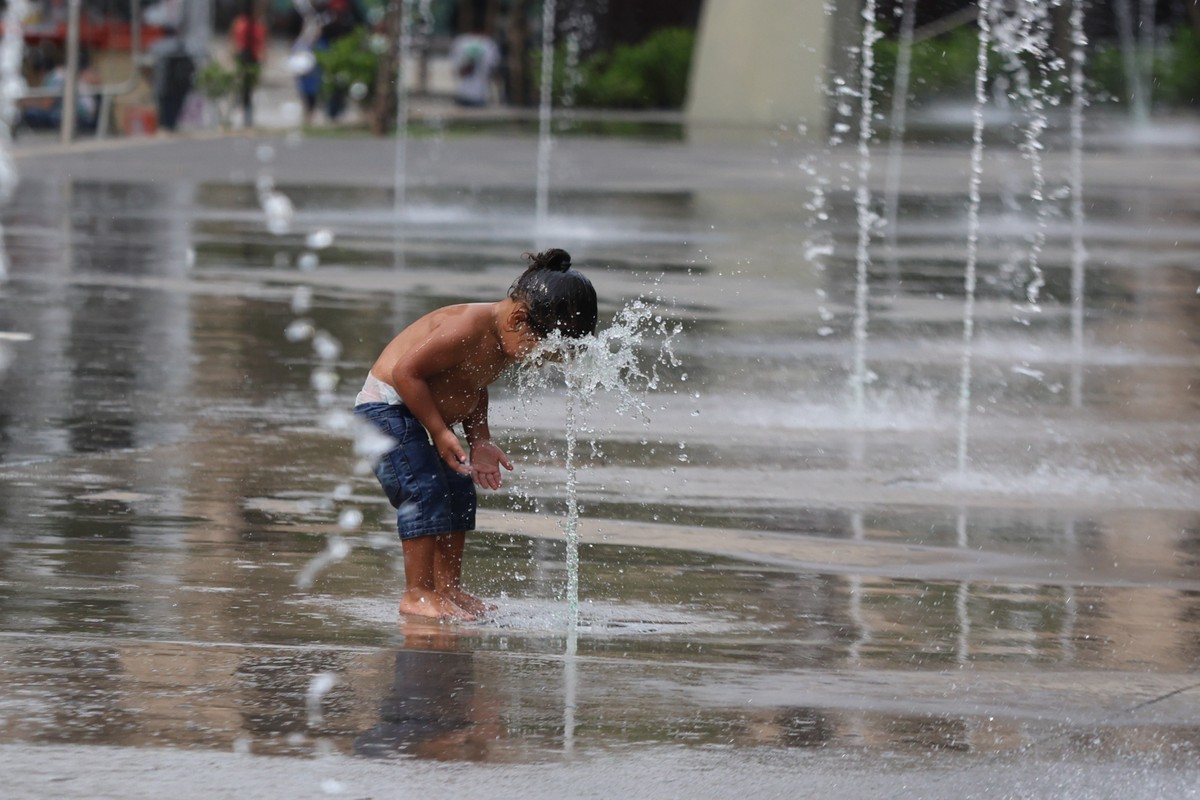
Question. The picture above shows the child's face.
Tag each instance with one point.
(517, 340)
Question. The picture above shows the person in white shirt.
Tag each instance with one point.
(475, 57)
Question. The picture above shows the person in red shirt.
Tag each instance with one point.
(248, 39)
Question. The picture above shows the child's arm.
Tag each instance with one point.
(486, 457)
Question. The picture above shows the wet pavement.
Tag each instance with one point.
(777, 588)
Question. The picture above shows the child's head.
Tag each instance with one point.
(556, 297)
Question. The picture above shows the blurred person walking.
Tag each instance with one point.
(171, 66)
(248, 39)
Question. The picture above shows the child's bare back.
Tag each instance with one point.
(434, 375)
(456, 350)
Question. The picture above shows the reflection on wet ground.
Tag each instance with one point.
(767, 568)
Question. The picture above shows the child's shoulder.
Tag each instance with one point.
(462, 319)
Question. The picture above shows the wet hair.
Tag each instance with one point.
(558, 298)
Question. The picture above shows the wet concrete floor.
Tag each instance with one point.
(776, 587)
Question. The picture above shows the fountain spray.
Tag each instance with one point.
(969, 278)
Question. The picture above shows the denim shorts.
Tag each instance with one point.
(429, 497)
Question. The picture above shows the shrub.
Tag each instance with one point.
(944, 66)
(651, 74)
(352, 59)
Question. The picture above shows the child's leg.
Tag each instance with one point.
(448, 564)
(421, 596)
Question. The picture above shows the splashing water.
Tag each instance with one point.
(1019, 30)
(612, 363)
(318, 687)
(336, 549)
(276, 205)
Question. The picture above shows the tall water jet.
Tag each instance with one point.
(403, 35)
(12, 86)
(545, 139)
(899, 123)
(862, 201)
(579, 28)
(1078, 252)
(1138, 101)
(400, 174)
(1145, 51)
(969, 277)
(613, 363)
(1022, 30)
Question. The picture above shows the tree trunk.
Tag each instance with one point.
(383, 118)
(1193, 7)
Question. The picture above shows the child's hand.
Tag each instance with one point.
(452, 453)
(486, 460)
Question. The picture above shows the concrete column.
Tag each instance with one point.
(765, 62)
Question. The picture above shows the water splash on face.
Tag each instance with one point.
(621, 361)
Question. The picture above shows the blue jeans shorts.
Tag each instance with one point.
(428, 496)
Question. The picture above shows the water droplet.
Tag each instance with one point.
(302, 299)
(298, 330)
(278, 210)
(324, 380)
(308, 262)
(320, 239)
(327, 347)
(301, 62)
(318, 687)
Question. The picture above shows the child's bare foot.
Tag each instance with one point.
(468, 602)
(421, 603)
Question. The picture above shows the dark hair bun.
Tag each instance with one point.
(554, 260)
(556, 296)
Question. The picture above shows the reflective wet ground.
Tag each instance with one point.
(767, 570)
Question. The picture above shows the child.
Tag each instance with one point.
(435, 375)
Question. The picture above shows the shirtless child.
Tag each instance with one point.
(435, 375)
